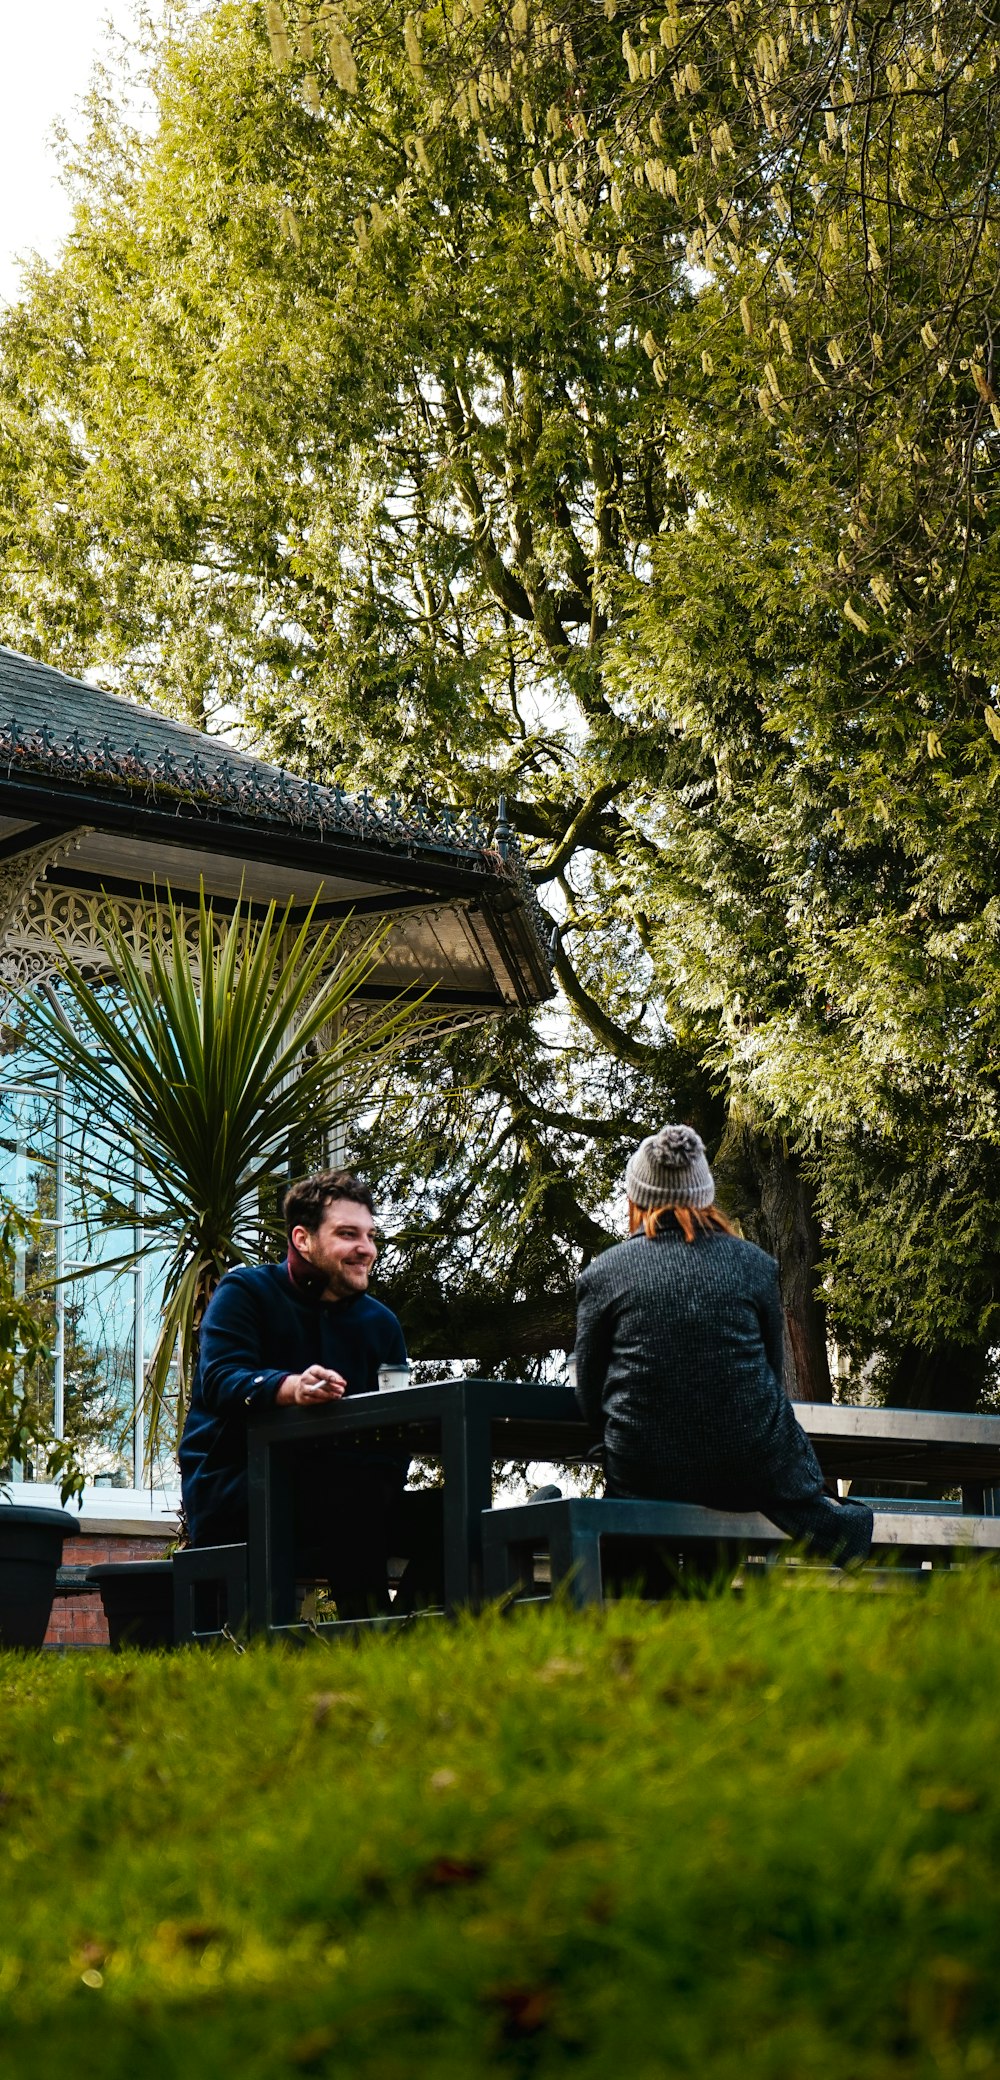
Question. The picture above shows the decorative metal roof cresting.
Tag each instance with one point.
(150, 800)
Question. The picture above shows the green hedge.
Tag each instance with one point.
(747, 1838)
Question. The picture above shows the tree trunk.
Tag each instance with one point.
(775, 1206)
(950, 1376)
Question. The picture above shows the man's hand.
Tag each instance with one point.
(308, 1389)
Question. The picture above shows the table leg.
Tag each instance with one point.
(575, 1554)
(467, 1462)
(270, 1538)
(980, 1501)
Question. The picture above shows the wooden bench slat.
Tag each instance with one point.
(908, 1528)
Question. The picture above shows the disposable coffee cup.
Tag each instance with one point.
(391, 1376)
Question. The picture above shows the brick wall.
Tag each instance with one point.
(78, 1619)
(90, 1549)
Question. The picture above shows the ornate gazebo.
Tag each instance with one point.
(104, 803)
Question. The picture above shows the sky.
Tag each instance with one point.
(49, 47)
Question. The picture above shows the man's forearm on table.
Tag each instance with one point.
(230, 1385)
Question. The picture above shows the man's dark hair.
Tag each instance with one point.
(303, 1202)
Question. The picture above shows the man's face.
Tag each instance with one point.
(342, 1247)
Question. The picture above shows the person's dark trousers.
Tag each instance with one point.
(837, 1531)
(342, 1511)
(344, 1504)
(416, 1535)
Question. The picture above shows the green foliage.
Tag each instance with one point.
(597, 406)
(362, 423)
(492, 1181)
(205, 1062)
(25, 1341)
(754, 1835)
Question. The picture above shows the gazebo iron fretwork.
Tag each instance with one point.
(217, 789)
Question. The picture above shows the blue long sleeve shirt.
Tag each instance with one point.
(259, 1327)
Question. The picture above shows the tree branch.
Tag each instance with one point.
(614, 1037)
(505, 586)
(593, 1129)
(576, 833)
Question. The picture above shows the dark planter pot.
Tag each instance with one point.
(138, 1599)
(31, 1543)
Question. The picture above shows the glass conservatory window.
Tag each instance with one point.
(103, 1313)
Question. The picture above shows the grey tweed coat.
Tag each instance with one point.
(679, 1367)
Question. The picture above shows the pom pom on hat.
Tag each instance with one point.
(670, 1169)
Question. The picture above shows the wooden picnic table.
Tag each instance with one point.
(471, 1424)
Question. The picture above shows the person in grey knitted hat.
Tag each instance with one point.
(670, 1169)
(680, 1357)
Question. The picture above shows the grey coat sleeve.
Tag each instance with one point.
(594, 1327)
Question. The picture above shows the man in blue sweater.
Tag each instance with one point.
(301, 1334)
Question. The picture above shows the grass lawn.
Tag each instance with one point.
(747, 1838)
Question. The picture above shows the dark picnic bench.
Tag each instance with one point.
(471, 1424)
(908, 1445)
(883, 1446)
(543, 1546)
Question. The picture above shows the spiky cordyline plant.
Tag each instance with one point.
(199, 1067)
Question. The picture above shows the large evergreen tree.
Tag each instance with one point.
(501, 401)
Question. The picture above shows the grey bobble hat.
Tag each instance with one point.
(670, 1169)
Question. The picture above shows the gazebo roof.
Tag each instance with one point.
(101, 796)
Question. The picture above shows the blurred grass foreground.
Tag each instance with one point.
(747, 1838)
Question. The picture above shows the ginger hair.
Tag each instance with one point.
(691, 1220)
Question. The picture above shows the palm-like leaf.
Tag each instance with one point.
(202, 1067)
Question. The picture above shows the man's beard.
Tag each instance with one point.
(353, 1276)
